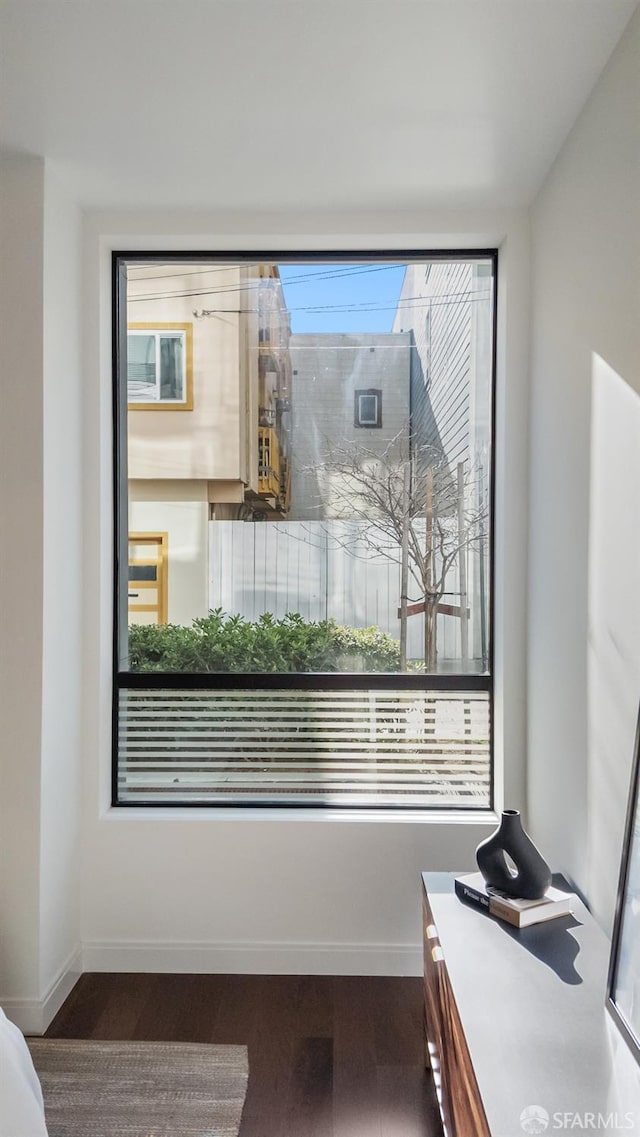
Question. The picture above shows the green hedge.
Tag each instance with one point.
(219, 642)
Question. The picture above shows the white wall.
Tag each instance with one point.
(199, 893)
(190, 889)
(21, 550)
(198, 890)
(613, 653)
(40, 591)
(584, 662)
(63, 583)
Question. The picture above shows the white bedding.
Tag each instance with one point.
(21, 1108)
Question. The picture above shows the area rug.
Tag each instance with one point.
(140, 1089)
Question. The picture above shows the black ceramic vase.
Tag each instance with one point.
(533, 875)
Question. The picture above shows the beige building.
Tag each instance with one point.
(209, 388)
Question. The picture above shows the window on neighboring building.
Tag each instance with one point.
(159, 366)
(306, 618)
(368, 408)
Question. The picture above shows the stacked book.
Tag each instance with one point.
(520, 913)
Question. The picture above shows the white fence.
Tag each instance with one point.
(321, 569)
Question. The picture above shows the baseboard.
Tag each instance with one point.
(33, 1016)
(253, 958)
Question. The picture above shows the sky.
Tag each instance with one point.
(325, 297)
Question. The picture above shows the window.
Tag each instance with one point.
(159, 367)
(368, 408)
(326, 639)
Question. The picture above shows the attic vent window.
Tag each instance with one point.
(368, 408)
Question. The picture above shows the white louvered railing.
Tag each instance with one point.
(298, 747)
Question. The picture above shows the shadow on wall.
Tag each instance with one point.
(613, 623)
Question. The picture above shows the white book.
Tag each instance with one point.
(514, 910)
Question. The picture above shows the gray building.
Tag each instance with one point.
(446, 307)
(351, 395)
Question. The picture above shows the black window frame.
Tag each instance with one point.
(357, 681)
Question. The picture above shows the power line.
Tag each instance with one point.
(338, 310)
(406, 302)
(326, 274)
(333, 274)
(330, 274)
(193, 272)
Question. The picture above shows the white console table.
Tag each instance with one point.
(517, 1018)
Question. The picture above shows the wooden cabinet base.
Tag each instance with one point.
(446, 1051)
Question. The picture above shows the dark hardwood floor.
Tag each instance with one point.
(328, 1056)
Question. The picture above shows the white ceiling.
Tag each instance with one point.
(301, 104)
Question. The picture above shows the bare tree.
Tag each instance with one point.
(413, 501)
